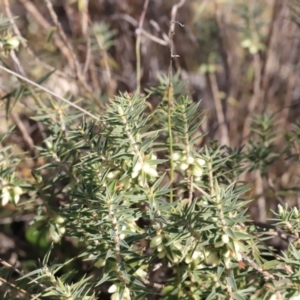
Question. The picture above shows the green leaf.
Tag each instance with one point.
(238, 296)
(231, 282)
(272, 264)
(106, 277)
(50, 34)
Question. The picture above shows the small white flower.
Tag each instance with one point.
(246, 43)
(198, 172)
(12, 43)
(157, 240)
(126, 294)
(196, 254)
(212, 259)
(11, 194)
(280, 209)
(100, 263)
(190, 160)
(153, 157)
(176, 156)
(141, 273)
(227, 262)
(61, 230)
(152, 172)
(134, 174)
(225, 238)
(149, 170)
(200, 161)
(138, 166)
(120, 110)
(59, 219)
(227, 254)
(5, 195)
(160, 248)
(188, 259)
(112, 289)
(146, 167)
(183, 166)
(112, 174)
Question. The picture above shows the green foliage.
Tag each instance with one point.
(261, 152)
(148, 211)
(111, 178)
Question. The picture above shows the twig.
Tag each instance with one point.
(64, 37)
(261, 200)
(88, 55)
(255, 98)
(228, 286)
(29, 6)
(200, 190)
(138, 45)
(60, 41)
(106, 64)
(20, 218)
(49, 92)
(173, 22)
(155, 39)
(190, 178)
(256, 267)
(8, 265)
(272, 187)
(27, 48)
(16, 30)
(170, 90)
(133, 22)
(26, 137)
(18, 288)
(224, 139)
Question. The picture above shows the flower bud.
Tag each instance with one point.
(99, 263)
(212, 259)
(196, 254)
(183, 166)
(138, 166)
(157, 240)
(12, 43)
(59, 219)
(152, 172)
(160, 248)
(200, 161)
(120, 110)
(176, 156)
(280, 210)
(112, 288)
(198, 172)
(246, 43)
(190, 160)
(188, 259)
(134, 174)
(61, 230)
(112, 174)
(225, 238)
(146, 167)
(227, 262)
(153, 157)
